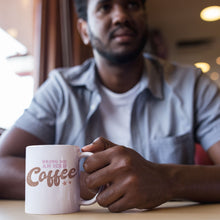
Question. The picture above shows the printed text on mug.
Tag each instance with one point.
(49, 176)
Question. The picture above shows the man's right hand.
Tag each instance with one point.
(132, 181)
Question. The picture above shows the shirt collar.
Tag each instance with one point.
(152, 77)
(85, 75)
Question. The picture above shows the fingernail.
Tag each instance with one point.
(83, 148)
(95, 140)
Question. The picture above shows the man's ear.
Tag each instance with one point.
(82, 27)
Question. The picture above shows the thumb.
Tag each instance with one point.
(99, 144)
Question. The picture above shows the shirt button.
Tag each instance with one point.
(92, 107)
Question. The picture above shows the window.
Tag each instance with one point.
(16, 60)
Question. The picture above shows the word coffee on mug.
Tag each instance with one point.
(52, 179)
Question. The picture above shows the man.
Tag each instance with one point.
(149, 112)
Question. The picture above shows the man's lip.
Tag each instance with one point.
(122, 33)
(123, 36)
(124, 39)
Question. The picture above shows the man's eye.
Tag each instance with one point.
(104, 8)
(133, 4)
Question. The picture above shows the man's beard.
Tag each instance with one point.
(118, 58)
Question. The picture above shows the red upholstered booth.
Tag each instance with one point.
(201, 157)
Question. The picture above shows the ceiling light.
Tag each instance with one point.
(25, 3)
(205, 67)
(13, 32)
(214, 76)
(218, 60)
(211, 13)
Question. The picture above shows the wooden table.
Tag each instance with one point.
(182, 210)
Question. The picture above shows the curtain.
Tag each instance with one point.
(57, 42)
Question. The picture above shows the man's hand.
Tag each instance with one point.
(132, 182)
(98, 145)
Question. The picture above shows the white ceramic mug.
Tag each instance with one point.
(52, 179)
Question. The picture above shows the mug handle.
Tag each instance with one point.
(93, 200)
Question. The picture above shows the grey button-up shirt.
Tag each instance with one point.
(176, 107)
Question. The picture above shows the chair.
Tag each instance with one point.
(201, 157)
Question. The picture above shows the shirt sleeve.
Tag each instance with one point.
(40, 118)
(207, 112)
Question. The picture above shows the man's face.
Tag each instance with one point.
(117, 28)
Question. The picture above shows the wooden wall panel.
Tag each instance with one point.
(57, 42)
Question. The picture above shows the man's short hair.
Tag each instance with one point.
(81, 8)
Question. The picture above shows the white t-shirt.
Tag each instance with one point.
(116, 114)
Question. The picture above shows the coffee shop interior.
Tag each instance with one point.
(37, 36)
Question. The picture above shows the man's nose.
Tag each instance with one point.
(120, 15)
